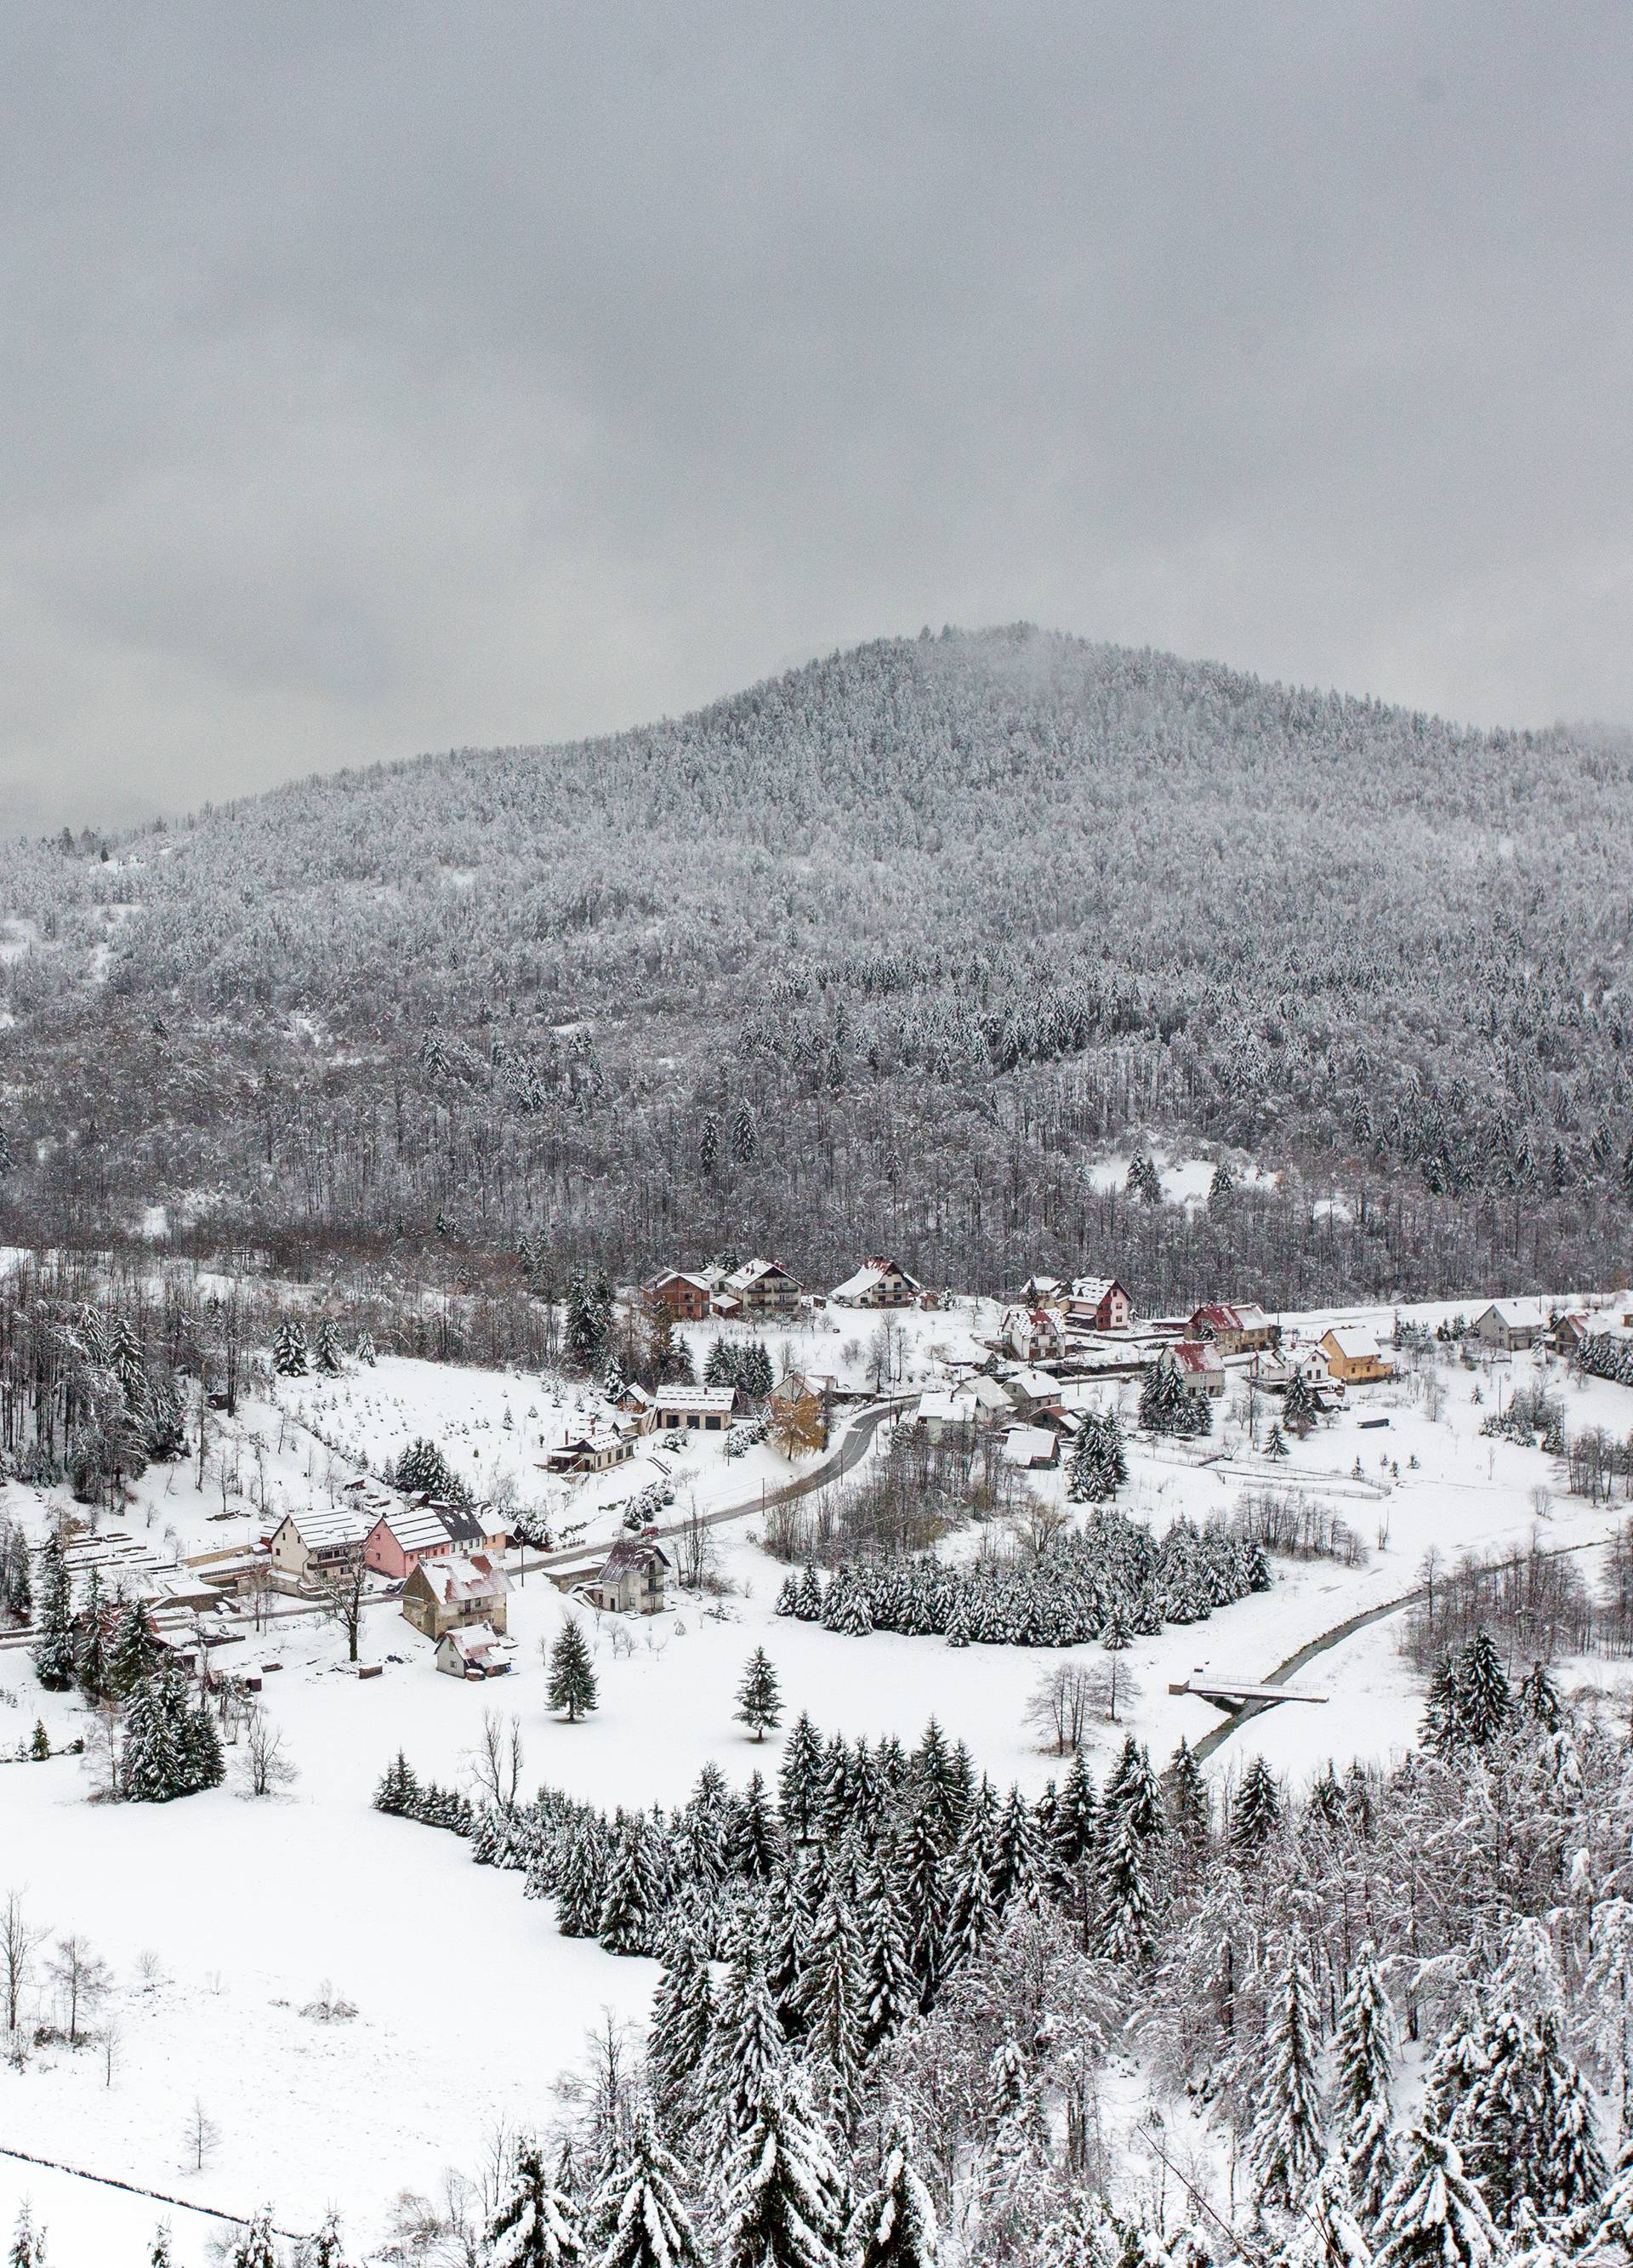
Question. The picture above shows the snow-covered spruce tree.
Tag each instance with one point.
(423, 1471)
(746, 2048)
(1483, 1699)
(1126, 1923)
(28, 2244)
(53, 1651)
(630, 1896)
(1256, 1813)
(323, 2249)
(782, 2186)
(255, 2246)
(1275, 1444)
(1435, 2217)
(1299, 1411)
(758, 1697)
(1162, 1397)
(290, 1357)
(1285, 2145)
(894, 2226)
(830, 2009)
(536, 2223)
(1525, 2126)
(1190, 1810)
(91, 1664)
(328, 1355)
(571, 1683)
(363, 1352)
(398, 1790)
(1331, 2234)
(160, 2254)
(677, 2040)
(639, 2216)
(1363, 2082)
(134, 1653)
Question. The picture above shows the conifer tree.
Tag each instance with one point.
(1257, 1811)
(746, 2049)
(640, 2211)
(889, 1989)
(571, 1681)
(626, 1900)
(677, 2042)
(328, 1354)
(782, 2187)
(799, 1782)
(1362, 2109)
(536, 2224)
(894, 2226)
(1285, 2146)
(290, 1357)
(1482, 1699)
(398, 1790)
(160, 2255)
(1435, 2217)
(133, 1653)
(28, 2244)
(1190, 1811)
(54, 1653)
(1275, 1444)
(254, 2246)
(1299, 1411)
(324, 2249)
(758, 1697)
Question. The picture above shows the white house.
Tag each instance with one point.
(474, 1650)
(1033, 1335)
(878, 1283)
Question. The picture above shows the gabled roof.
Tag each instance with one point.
(452, 1582)
(429, 1526)
(317, 1529)
(1195, 1355)
(1222, 1315)
(755, 1272)
(632, 1555)
(705, 1400)
(1092, 1290)
(473, 1640)
(1353, 1344)
(872, 1273)
(1516, 1315)
(675, 1276)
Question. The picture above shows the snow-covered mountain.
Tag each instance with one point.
(886, 952)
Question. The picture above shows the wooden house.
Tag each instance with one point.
(878, 1283)
(1235, 1328)
(687, 1297)
(444, 1594)
(634, 1578)
(1353, 1356)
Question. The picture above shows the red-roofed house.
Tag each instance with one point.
(1033, 1335)
(687, 1297)
(1199, 1365)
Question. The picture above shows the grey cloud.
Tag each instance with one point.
(388, 377)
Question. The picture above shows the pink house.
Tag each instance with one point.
(400, 1538)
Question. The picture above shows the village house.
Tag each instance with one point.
(1033, 1335)
(1029, 1388)
(758, 1289)
(1099, 1303)
(878, 1283)
(1234, 1330)
(474, 1650)
(1034, 1448)
(1511, 1326)
(315, 1546)
(596, 1449)
(1570, 1330)
(687, 1297)
(692, 1409)
(1353, 1356)
(444, 1594)
(400, 1539)
(634, 1578)
(802, 1400)
(1200, 1366)
(1044, 1292)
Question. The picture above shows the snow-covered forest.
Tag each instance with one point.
(879, 955)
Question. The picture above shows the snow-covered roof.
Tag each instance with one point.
(633, 1555)
(939, 1402)
(1516, 1315)
(1029, 1444)
(869, 1276)
(1036, 1385)
(1353, 1344)
(1195, 1354)
(1225, 1315)
(452, 1581)
(1092, 1289)
(754, 1271)
(429, 1526)
(697, 1400)
(472, 1640)
(319, 1528)
(675, 1276)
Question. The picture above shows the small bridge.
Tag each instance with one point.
(1235, 1695)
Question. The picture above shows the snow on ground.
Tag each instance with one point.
(469, 2004)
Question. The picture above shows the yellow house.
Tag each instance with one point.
(1354, 1357)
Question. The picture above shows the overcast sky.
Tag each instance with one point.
(382, 377)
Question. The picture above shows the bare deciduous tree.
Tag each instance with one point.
(1060, 1707)
(19, 1941)
(81, 1978)
(499, 1759)
(263, 1768)
(200, 2136)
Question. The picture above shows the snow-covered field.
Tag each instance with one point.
(226, 1920)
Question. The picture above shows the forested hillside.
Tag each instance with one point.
(880, 954)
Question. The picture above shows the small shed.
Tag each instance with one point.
(474, 1650)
